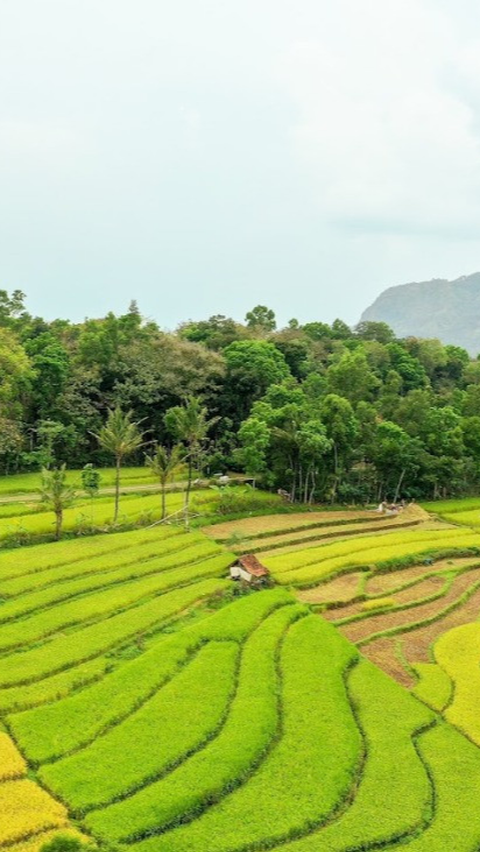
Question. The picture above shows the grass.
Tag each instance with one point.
(454, 765)
(457, 652)
(470, 518)
(433, 687)
(225, 762)
(383, 557)
(134, 509)
(107, 601)
(41, 557)
(168, 713)
(84, 644)
(441, 507)
(36, 591)
(169, 726)
(66, 725)
(394, 791)
(29, 483)
(351, 548)
(310, 770)
(12, 764)
(52, 688)
(26, 809)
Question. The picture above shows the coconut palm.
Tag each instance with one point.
(121, 437)
(189, 423)
(163, 464)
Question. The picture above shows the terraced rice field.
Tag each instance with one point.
(28, 483)
(30, 520)
(147, 709)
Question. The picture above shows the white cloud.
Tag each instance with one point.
(388, 100)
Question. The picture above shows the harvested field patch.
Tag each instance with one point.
(382, 584)
(417, 644)
(339, 590)
(411, 595)
(359, 631)
(385, 653)
(271, 524)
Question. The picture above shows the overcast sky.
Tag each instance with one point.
(203, 156)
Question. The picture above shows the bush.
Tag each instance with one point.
(236, 501)
(63, 843)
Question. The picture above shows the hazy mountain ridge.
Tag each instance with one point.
(449, 310)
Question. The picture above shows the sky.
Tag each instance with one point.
(205, 156)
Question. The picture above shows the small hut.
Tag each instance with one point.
(249, 568)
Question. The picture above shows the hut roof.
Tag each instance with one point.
(252, 565)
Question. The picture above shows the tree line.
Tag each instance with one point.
(321, 411)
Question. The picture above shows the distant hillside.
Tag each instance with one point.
(449, 310)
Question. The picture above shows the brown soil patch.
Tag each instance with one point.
(362, 629)
(418, 643)
(383, 652)
(421, 590)
(384, 584)
(342, 588)
(291, 541)
(273, 523)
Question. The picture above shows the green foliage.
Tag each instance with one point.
(433, 687)
(226, 761)
(86, 643)
(394, 792)
(56, 494)
(164, 731)
(90, 480)
(120, 437)
(63, 843)
(164, 464)
(62, 727)
(261, 319)
(318, 753)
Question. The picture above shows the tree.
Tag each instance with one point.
(254, 437)
(121, 437)
(395, 454)
(352, 378)
(189, 423)
(215, 333)
(372, 330)
(313, 445)
(252, 366)
(341, 427)
(261, 319)
(163, 464)
(56, 494)
(90, 480)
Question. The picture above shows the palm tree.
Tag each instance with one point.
(163, 465)
(120, 436)
(56, 494)
(189, 424)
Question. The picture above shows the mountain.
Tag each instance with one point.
(449, 310)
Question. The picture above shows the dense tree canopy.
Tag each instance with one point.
(322, 411)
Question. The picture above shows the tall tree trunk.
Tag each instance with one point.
(58, 523)
(188, 489)
(399, 485)
(164, 500)
(305, 490)
(294, 479)
(117, 489)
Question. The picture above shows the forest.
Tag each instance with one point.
(322, 411)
